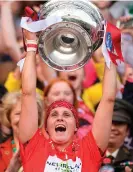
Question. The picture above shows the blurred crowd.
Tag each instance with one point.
(82, 88)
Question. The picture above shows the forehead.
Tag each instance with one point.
(61, 110)
(121, 125)
(76, 72)
(60, 86)
(80, 71)
(17, 106)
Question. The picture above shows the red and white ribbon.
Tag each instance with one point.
(36, 26)
(111, 47)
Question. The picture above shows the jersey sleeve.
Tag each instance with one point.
(27, 149)
(90, 147)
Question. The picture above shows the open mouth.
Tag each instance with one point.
(72, 78)
(60, 128)
(114, 134)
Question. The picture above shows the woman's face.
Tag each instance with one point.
(60, 91)
(75, 77)
(102, 4)
(128, 74)
(61, 125)
(15, 116)
(119, 131)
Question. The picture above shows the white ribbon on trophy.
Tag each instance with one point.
(36, 26)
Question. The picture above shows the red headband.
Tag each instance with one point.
(62, 103)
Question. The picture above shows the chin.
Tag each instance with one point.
(16, 131)
(60, 140)
(112, 142)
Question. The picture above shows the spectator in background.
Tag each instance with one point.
(76, 78)
(122, 124)
(11, 44)
(125, 69)
(3, 91)
(5, 132)
(11, 52)
(128, 169)
(59, 89)
(93, 93)
(104, 7)
(118, 9)
(128, 96)
(8, 29)
(10, 116)
(13, 81)
(128, 74)
(102, 4)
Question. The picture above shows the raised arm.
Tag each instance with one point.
(103, 119)
(29, 115)
(8, 31)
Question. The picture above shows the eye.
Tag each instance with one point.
(17, 113)
(54, 114)
(66, 114)
(130, 74)
(67, 93)
(56, 93)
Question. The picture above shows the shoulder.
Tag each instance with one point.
(125, 149)
(34, 145)
(5, 153)
(7, 144)
(131, 151)
(128, 152)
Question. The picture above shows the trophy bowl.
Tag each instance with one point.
(67, 45)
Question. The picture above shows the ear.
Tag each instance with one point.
(45, 102)
(45, 133)
(128, 132)
(76, 129)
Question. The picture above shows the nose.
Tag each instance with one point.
(113, 127)
(60, 118)
(62, 96)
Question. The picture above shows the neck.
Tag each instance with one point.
(62, 147)
(112, 148)
(15, 137)
(78, 92)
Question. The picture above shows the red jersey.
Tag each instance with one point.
(5, 154)
(39, 155)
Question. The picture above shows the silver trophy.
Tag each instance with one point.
(69, 44)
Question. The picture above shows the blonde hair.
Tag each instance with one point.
(8, 103)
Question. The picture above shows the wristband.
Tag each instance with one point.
(31, 45)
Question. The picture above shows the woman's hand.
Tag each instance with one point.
(29, 35)
(6, 3)
(127, 169)
(15, 163)
(128, 30)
